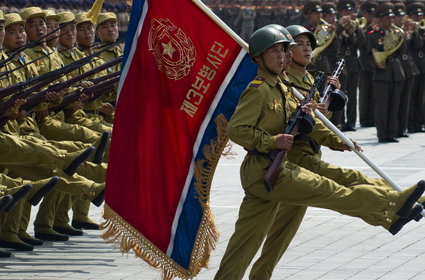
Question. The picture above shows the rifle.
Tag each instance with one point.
(333, 98)
(34, 100)
(56, 74)
(297, 123)
(95, 90)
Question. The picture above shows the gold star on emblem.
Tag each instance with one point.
(168, 49)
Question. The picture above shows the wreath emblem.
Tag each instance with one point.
(173, 51)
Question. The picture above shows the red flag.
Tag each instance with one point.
(180, 77)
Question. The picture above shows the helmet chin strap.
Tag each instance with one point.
(263, 62)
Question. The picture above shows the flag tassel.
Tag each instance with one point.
(120, 233)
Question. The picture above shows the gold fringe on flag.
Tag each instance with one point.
(94, 11)
(120, 233)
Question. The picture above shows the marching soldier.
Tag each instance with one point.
(257, 126)
(366, 96)
(107, 32)
(388, 74)
(52, 24)
(97, 110)
(416, 11)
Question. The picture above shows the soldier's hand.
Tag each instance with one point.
(333, 81)
(75, 106)
(13, 111)
(86, 84)
(356, 146)
(107, 108)
(40, 115)
(52, 95)
(309, 107)
(323, 109)
(83, 97)
(284, 141)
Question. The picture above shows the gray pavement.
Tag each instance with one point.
(328, 246)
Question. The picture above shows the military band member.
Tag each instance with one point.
(347, 30)
(409, 68)
(246, 16)
(388, 76)
(416, 120)
(257, 123)
(366, 96)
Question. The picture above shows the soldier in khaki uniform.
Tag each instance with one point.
(53, 128)
(257, 123)
(10, 236)
(52, 23)
(98, 110)
(304, 153)
(68, 53)
(107, 32)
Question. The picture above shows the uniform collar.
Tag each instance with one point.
(66, 51)
(38, 48)
(268, 79)
(298, 78)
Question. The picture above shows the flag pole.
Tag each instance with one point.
(221, 23)
(348, 142)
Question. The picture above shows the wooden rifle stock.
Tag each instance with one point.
(272, 173)
(34, 100)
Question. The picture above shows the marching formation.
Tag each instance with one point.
(283, 173)
(58, 90)
(382, 43)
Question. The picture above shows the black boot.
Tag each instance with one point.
(36, 198)
(17, 196)
(73, 166)
(400, 223)
(5, 200)
(100, 151)
(406, 208)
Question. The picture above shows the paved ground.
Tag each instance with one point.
(329, 246)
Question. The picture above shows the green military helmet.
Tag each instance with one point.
(264, 38)
(285, 32)
(296, 30)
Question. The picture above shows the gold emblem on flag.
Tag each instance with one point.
(174, 52)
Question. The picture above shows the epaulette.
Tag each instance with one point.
(257, 82)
